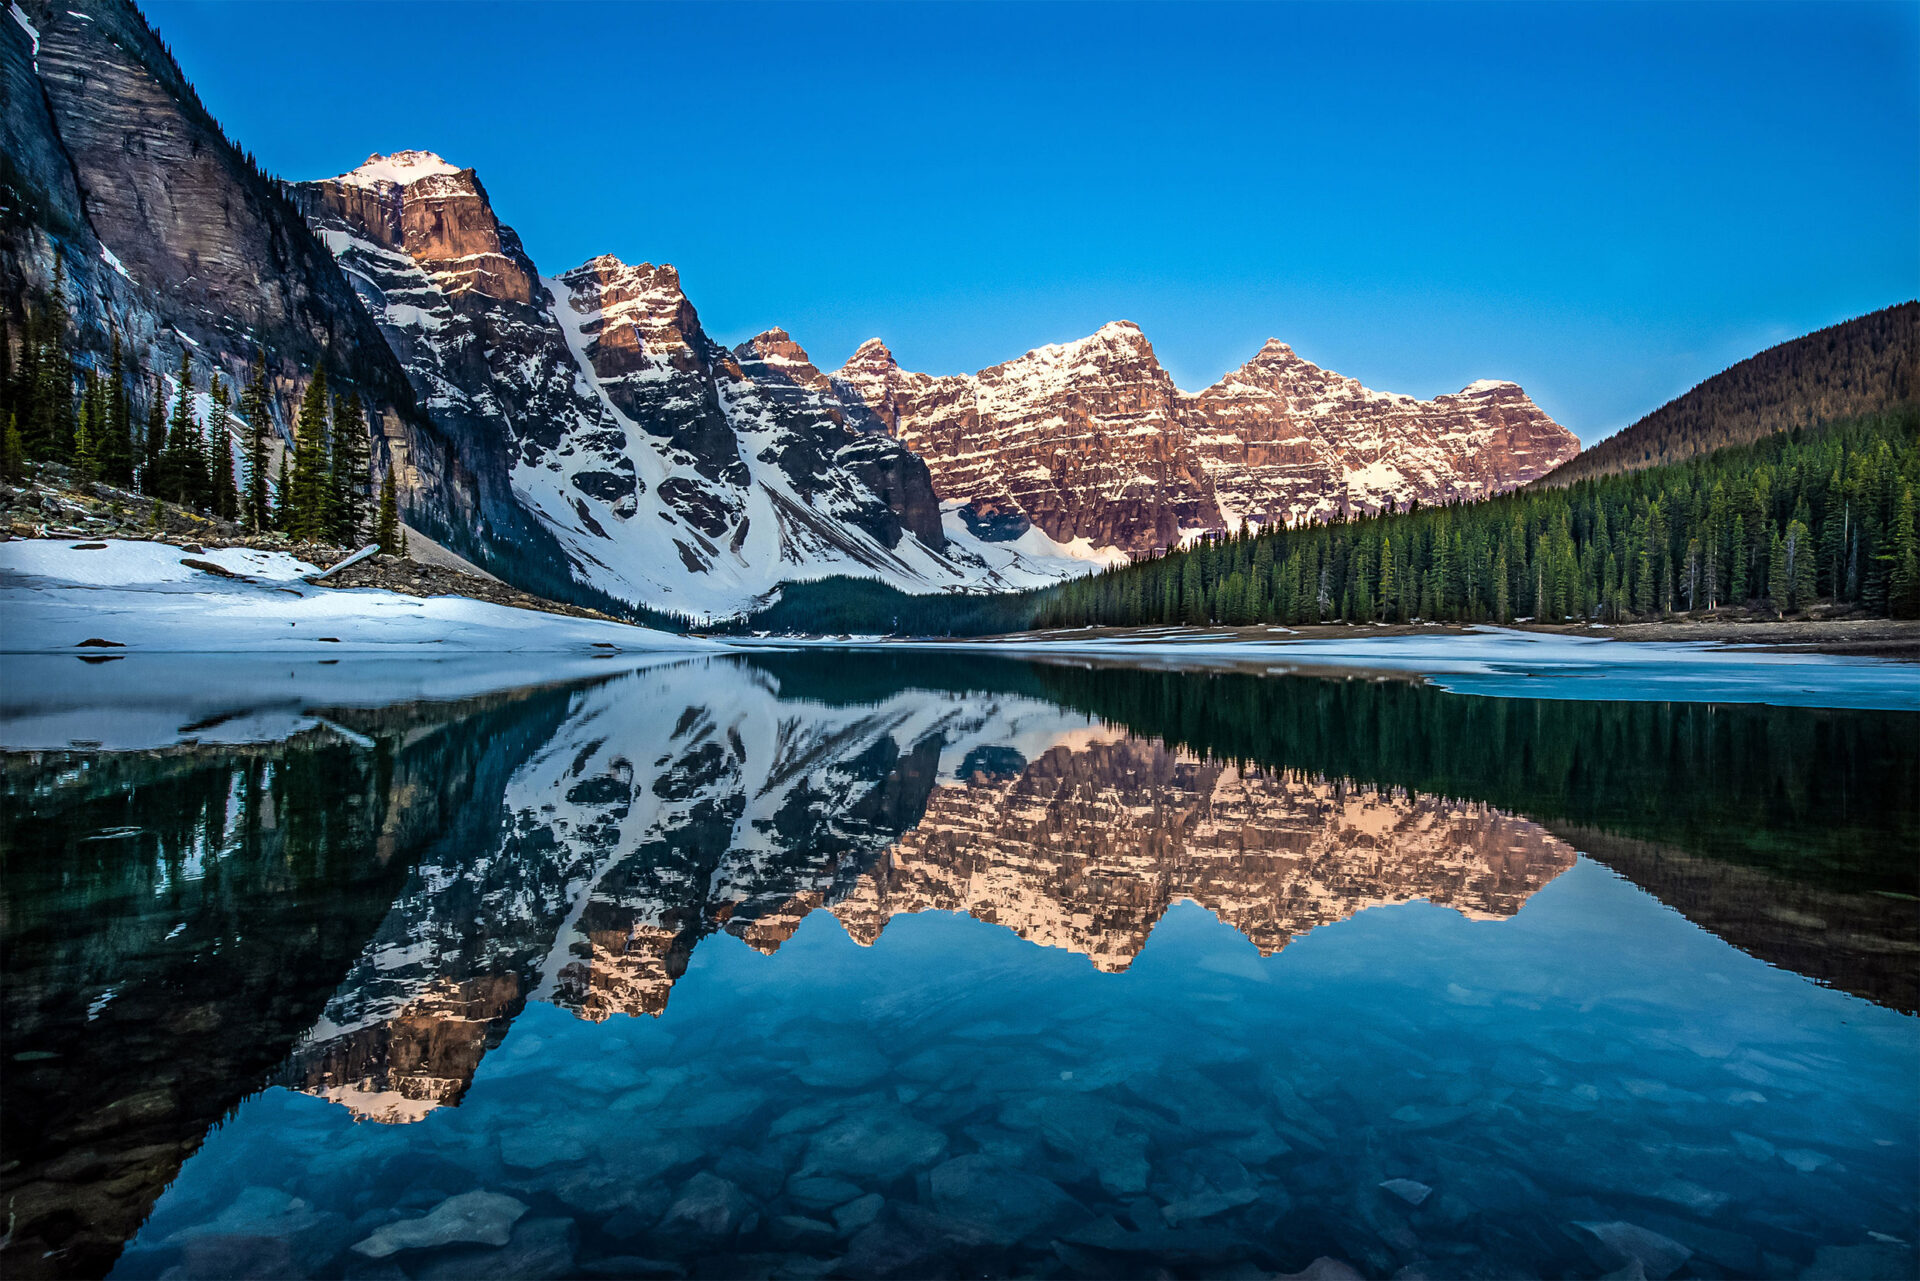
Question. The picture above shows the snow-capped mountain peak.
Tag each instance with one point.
(672, 471)
(399, 169)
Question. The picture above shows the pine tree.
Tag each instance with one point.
(13, 451)
(256, 406)
(309, 506)
(1903, 576)
(90, 435)
(153, 444)
(386, 526)
(48, 432)
(183, 475)
(1777, 585)
(224, 497)
(1737, 579)
(116, 452)
(282, 492)
(349, 479)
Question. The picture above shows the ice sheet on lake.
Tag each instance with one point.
(1506, 662)
(142, 596)
(53, 702)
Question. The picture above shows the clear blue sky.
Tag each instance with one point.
(1605, 204)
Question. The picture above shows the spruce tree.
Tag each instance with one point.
(153, 444)
(1903, 576)
(1737, 579)
(13, 452)
(116, 452)
(349, 479)
(183, 475)
(225, 498)
(386, 525)
(1777, 583)
(49, 430)
(91, 433)
(282, 491)
(310, 505)
(256, 407)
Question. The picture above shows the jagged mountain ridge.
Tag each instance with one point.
(675, 472)
(581, 435)
(1091, 440)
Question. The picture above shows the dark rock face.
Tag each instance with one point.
(169, 235)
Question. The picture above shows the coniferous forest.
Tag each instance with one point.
(1795, 520)
(208, 448)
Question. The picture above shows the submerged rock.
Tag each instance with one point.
(814, 1192)
(538, 1249)
(857, 1214)
(534, 1149)
(797, 1232)
(1323, 1269)
(1408, 1190)
(1010, 1205)
(479, 1218)
(708, 1207)
(1660, 1257)
(874, 1145)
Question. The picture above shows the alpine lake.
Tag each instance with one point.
(908, 964)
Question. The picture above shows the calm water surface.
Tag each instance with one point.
(857, 965)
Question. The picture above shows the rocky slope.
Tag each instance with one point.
(673, 471)
(1090, 440)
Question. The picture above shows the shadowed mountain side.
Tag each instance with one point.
(1866, 944)
(1867, 365)
(236, 884)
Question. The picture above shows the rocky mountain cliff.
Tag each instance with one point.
(169, 234)
(1091, 440)
(673, 471)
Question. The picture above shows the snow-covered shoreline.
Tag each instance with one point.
(144, 598)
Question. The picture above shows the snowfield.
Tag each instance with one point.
(144, 598)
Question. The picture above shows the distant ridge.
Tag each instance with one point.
(1860, 366)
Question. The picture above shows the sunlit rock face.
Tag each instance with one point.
(1283, 441)
(1091, 440)
(675, 804)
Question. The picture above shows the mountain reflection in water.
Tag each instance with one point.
(365, 921)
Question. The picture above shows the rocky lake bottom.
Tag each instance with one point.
(818, 965)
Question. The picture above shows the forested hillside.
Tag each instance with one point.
(1863, 366)
(1790, 521)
